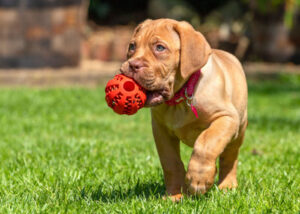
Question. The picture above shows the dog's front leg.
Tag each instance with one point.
(208, 146)
(169, 154)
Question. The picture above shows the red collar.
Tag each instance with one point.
(186, 92)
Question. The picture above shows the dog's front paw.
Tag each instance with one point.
(199, 180)
(174, 198)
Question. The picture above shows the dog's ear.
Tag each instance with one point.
(194, 49)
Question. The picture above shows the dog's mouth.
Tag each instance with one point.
(154, 98)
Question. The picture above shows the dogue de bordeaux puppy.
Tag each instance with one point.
(168, 58)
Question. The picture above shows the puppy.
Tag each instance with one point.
(163, 56)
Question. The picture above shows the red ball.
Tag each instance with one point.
(124, 95)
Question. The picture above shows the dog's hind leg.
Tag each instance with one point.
(229, 161)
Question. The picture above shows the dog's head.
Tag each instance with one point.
(162, 55)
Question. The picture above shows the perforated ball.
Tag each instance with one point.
(124, 95)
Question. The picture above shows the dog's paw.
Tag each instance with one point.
(228, 183)
(174, 198)
(201, 180)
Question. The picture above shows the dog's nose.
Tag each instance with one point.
(136, 64)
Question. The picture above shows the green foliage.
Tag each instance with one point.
(266, 5)
(271, 6)
(65, 151)
(291, 8)
(100, 8)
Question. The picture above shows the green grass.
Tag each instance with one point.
(64, 151)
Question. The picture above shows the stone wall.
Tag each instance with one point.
(40, 33)
(107, 43)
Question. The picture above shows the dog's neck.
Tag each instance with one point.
(186, 92)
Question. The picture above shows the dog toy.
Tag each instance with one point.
(124, 95)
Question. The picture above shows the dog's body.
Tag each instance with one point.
(164, 56)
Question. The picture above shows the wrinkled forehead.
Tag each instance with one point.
(154, 31)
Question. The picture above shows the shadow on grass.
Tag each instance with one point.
(274, 123)
(139, 190)
(272, 87)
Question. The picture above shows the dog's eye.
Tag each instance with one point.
(160, 48)
(131, 47)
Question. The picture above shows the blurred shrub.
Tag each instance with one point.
(176, 9)
(112, 12)
(115, 12)
(99, 9)
(288, 7)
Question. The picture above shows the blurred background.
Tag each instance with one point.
(57, 42)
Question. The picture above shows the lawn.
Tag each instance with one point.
(65, 151)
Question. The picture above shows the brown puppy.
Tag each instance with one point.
(162, 55)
